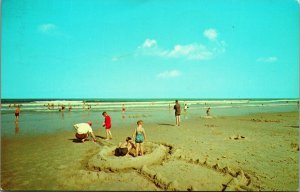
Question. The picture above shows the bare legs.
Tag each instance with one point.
(142, 149)
(108, 134)
(177, 120)
(139, 147)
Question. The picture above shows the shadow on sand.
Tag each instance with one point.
(101, 137)
(297, 126)
(75, 140)
(166, 124)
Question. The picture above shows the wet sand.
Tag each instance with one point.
(253, 152)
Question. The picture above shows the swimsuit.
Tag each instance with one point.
(81, 136)
(139, 137)
(121, 151)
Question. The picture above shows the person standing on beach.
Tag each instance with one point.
(177, 112)
(208, 111)
(185, 107)
(17, 112)
(107, 125)
(140, 136)
(83, 130)
(70, 107)
(123, 108)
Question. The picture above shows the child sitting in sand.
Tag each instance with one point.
(140, 136)
(124, 148)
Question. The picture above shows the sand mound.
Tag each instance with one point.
(106, 160)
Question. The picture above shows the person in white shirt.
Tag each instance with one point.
(83, 130)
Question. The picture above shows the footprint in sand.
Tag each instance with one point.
(208, 125)
(295, 146)
(237, 137)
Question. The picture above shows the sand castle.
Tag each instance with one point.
(155, 166)
(106, 160)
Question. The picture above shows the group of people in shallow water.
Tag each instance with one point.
(83, 130)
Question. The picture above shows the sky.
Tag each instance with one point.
(150, 49)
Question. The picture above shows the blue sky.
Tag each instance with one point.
(150, 49)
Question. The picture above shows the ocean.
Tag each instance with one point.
(44, 116)
(52, 105)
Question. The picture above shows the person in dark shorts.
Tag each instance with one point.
(17, 112)
(177, 112)
(124, 148)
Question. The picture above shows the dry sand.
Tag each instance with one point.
(255, 152)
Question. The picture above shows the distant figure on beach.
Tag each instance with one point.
(185, 107)
(107, 125)
(70, 107)
(208, 111)
(124, 148)
(83, 130)
(17, 112)
(62, 109)
(123, 108)
(177, 112)
(140, 136)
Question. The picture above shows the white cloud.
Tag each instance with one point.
(211, 34)
(47, 28)
(169, 74)
(267, 59)
(149, 43)
(190, 51)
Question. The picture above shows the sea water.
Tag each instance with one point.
(37, 118)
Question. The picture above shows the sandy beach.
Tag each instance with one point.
(229, 68)
(250, 152)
